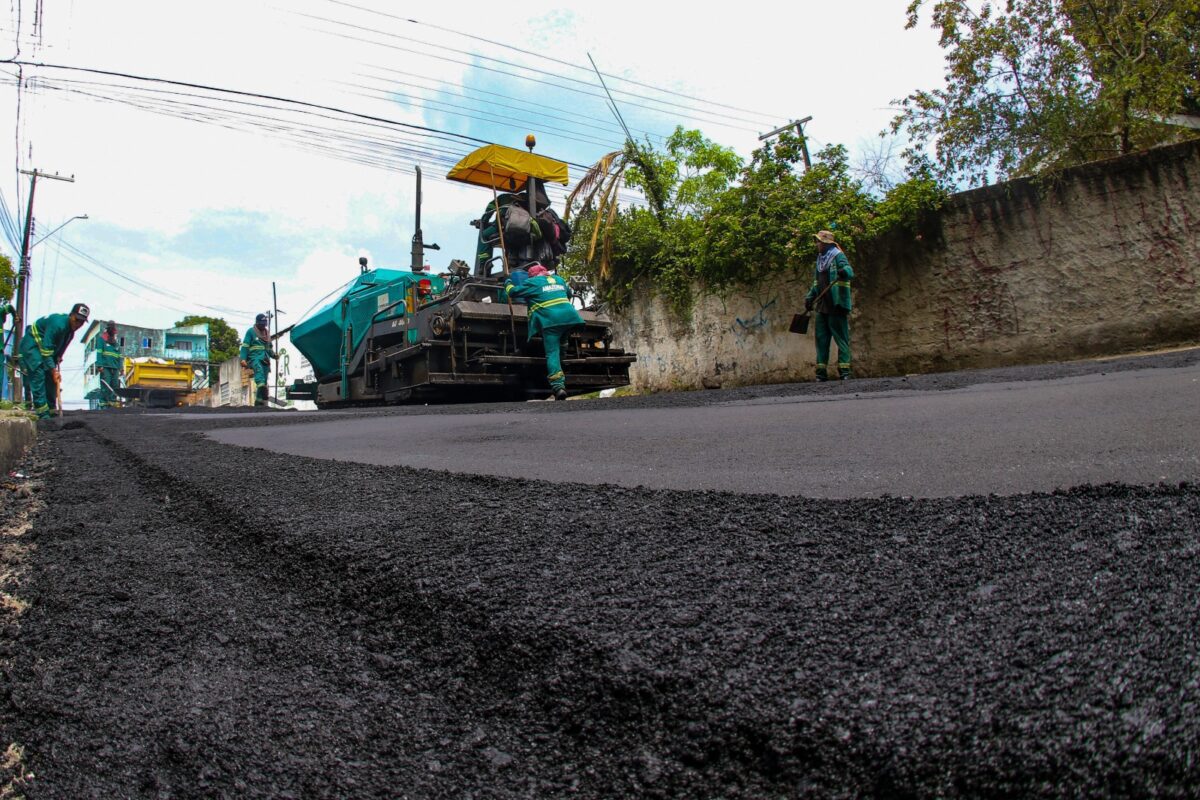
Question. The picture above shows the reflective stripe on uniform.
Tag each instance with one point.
(37, 337)
(555, 302)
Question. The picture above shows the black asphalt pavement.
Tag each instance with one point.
(1138, 426)
(184, 618)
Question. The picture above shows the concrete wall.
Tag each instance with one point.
(1102, 260)
(235, 386)
(17, 432)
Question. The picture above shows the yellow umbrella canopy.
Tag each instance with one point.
(506, 169)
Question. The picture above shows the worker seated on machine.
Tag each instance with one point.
(522, 237)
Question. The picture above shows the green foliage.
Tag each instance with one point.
(725, 224)
(1042, 84)
(8, 279)
(223, 341)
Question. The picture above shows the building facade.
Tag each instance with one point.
(183, 345)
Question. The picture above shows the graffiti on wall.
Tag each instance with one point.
(758, 321)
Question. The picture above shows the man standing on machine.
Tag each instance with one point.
(552, 315)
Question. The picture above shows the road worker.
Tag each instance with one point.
(830, 298)
(256, 354)
(551, 314)
(41, 352)
(108, 365)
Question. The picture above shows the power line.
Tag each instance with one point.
(144, 284)
(695, 115)
(526, 52)
(239, 93)
(353, 144)
(570, 64)
(525, 103)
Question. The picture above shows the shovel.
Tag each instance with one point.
(800, 321)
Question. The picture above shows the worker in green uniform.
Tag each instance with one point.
(256, 354)
(830, 295)
(551, 314)
(108, 365)
(41, 352)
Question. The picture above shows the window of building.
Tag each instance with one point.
(182, 345)
(122, 341)
(146, 342)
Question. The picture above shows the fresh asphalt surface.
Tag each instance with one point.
(1132, 427)
(186, 618)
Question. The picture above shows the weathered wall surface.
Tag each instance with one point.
(1104, 259)
(17, 432)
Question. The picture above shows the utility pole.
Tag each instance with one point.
(275, 339)
(799, 126)
(23, 273)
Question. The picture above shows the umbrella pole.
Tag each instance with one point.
(499, 222)
(512, 320)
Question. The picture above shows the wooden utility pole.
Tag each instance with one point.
(275, 338)
(799, 126)
(23, 273)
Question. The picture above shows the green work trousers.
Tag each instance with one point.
(833, 327)
(37, 381)
(553, 338)
(262, 375)
(109, 380)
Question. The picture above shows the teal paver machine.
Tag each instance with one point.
(396, 335)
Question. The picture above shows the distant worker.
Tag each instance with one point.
(830, 298)
(42, 349)
(551, 314)
(108, 365)
(256, 354)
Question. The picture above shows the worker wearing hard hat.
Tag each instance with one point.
(41, 352)
(108, 365)
(830, 298)
(551, 314)
(256, 354)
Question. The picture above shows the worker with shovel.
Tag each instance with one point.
(256, 354)
(829, 297)
(41, 352)
(108, 365)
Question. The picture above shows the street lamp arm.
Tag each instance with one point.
(56, 230)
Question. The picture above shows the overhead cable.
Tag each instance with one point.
(741, 117)
(699, 116)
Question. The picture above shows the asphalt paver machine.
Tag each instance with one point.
(396, 335)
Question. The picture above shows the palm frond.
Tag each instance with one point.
(591, 182)
(607, 190)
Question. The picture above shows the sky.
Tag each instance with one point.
(197, 199)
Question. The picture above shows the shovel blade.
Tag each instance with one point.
(800, 323)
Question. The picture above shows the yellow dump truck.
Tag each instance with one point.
(155, 382)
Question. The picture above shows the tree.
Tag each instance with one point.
(8, 279)
(680, 182)
(1039, 84)
(223, 340)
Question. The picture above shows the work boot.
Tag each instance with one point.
(845, 376)
(560, 394)
(821, 377)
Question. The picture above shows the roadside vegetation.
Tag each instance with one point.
(716, 222)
